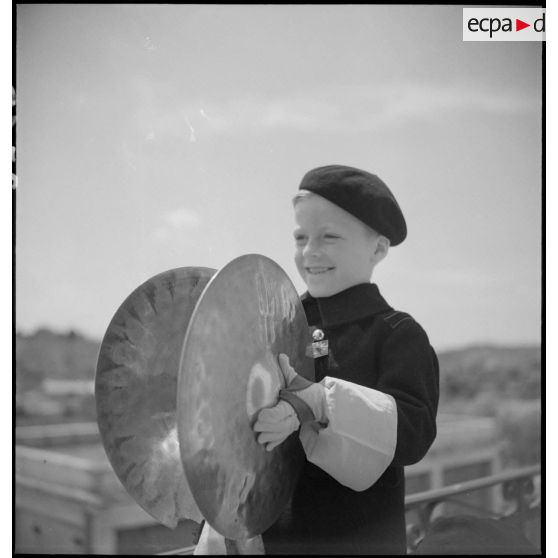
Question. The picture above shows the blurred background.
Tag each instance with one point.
(154, 137)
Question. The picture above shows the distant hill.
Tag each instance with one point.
(513, 372)
(506, 372)
(46, 354)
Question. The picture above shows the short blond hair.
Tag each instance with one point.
(302, 195)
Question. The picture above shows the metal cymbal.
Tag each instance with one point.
(248, 314)
(135, 391)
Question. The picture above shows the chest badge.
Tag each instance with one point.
(319, 346)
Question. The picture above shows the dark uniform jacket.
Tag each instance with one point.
(372, 345)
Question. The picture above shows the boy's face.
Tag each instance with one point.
(334, 250)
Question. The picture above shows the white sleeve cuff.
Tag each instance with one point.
(359, 442)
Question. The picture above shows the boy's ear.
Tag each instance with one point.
(382, 247)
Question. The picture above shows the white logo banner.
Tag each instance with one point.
(504, 24)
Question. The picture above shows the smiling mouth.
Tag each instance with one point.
(318, 270)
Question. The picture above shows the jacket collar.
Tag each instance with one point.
(352, 304)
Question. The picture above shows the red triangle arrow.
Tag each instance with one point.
(519, 25)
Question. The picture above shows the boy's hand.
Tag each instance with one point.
(278, 422)
(275, 424)
(311, 393)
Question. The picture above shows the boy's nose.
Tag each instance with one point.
(312, 249)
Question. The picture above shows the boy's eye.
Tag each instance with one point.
(299, 238)
(330, 236)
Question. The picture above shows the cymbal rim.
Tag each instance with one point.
(135, 391)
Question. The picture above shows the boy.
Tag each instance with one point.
(373, 406)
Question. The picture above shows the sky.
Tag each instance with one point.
(151, 137)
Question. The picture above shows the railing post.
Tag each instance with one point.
(415, 532)
(519, 490)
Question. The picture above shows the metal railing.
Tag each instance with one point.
(517, 487)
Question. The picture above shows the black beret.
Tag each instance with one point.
(362, 194)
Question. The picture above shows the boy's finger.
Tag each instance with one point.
(261, 426)
(286, 425)
(272, 445)
(273, 422)
(265, 437)
(276, 413)
(288, 371)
